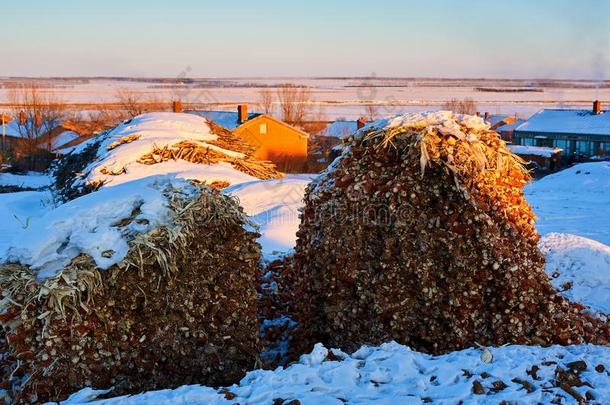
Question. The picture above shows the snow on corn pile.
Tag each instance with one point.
(145, 285)
(394, 374)
(182, 144)
(574, 201)
(88, 225)
(420, 233)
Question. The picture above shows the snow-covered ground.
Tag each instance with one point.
(574, 201)
(31, 180)
(274, 206)
(394, 374)
(17, 211)
(579, 267)
(346, 97)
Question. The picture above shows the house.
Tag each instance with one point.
(506, 131)
(498, 120)
(540, 158)
(67, 135)
(341, 129)
(275, 140)
(12, 134)
(580, 133)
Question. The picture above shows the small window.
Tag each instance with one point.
(544, 142)
(263, 129)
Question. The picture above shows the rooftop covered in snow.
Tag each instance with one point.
(564, 121)
(227, 119)
(339, 129)
(533, 150)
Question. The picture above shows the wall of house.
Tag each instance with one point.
(586, 145)
(278, 143)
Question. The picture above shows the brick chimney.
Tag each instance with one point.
(360, 122)
(242, 113)
(177, 106)
(597, 107)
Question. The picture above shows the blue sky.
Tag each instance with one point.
(446, 38)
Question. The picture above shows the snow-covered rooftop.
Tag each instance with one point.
(533, 150)
(339, 129)
(568, 122)
(494, 119)
(227, 119)
(12, 129)
(510, 126)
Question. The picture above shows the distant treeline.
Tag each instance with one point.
(509, 90)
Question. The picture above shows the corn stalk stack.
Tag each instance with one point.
(180, 308)
(420, 233)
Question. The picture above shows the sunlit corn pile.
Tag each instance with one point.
(179, 309)
(195, 152)
(420, 233)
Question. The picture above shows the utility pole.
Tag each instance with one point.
(5, 120)
(3, 134)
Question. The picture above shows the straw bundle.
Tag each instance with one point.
(179, 309)
(210, 152)
(201, 153)
(123, 140)
(420, 233)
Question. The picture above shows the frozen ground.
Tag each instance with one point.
(579, 267)
(394, 374)
(31, 180)
(17, 211)
(274, 206)
(574, 201)
(345, 97)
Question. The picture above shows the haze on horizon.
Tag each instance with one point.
(557, 39)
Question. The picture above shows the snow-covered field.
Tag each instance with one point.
(573, 207)
(345, 97)
(574, 201)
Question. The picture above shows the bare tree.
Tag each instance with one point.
(265, 101)
(316, 121)
(131, 104)
(37, 113)
(371, 111)
(465, 106)
(294, 103)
